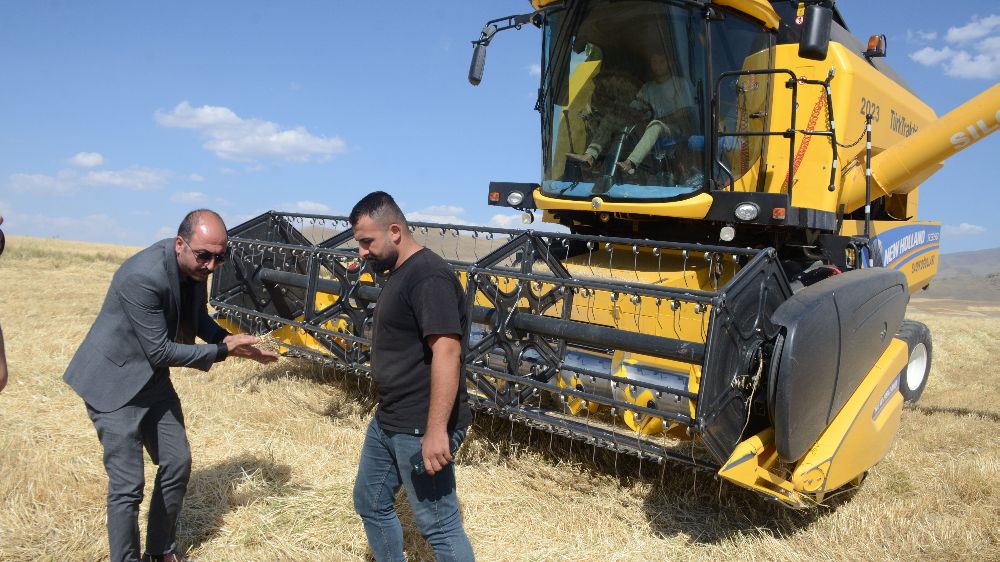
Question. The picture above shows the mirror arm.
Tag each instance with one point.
(492, 28)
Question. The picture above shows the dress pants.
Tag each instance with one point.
(152, 420)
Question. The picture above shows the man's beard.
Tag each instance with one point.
(383, 264)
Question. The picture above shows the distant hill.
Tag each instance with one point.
(967, 276)
(981, 262)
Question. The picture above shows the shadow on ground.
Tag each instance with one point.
(960, 412)
(227, 486)
(349, 395)
(678, 500)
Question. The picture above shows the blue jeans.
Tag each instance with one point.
(387, 462)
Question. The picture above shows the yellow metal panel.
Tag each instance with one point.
(693, 208)
(296, 336)
(539, 4)
(856, 89)
(757, 9)
(862, 433)
(754, 464)
(901, 168)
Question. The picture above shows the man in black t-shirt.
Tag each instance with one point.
(423, 413)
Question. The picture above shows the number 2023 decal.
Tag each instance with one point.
(869, 107)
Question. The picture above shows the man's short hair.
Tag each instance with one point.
(193, 219)
(380, 207)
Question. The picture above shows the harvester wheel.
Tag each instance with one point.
(913, 379)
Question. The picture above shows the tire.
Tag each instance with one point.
(913, 378)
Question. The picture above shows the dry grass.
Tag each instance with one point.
(276, 449)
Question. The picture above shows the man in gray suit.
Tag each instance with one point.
(3, 355)
(153, 310)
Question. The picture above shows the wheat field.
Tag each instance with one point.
(275, 451)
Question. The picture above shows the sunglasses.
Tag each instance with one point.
(204, 256)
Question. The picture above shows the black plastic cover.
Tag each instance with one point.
(835, 331)
(740, 323)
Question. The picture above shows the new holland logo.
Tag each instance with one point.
(894, 387)
(903, 245)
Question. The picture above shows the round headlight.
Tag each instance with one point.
(514, 198)
(727, 233)
(747, 211)
(528, 217)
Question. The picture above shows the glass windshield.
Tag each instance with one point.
(625, 111)
(624, 103)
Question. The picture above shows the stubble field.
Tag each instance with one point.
(276, 448)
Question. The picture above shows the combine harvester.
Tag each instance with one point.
(734, 302)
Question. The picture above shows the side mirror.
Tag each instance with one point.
(478, 64)
(816, 32)
(479, 54)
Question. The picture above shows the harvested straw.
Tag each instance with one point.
(276, 448)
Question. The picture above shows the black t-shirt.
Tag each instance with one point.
(421, 298)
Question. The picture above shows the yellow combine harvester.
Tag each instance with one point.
(740, 182)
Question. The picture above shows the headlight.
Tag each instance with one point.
(747, 211)
(514, 198)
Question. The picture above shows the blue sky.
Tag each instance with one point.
(116, 118)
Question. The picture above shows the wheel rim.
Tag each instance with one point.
(916, 369)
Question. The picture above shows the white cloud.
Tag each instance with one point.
(984, 64)
(189, 198)
(196, 178)
(446, 214)
(205, 117)
(232, 137)
(976, 29)
(165, 232)
(964, 229)
(506, 221)
(535, 69)
(136, 178)
(920, 36)
(443, 210)
(87, 159)
(304, 207)
(63, 183)
(976, 54)
(67, 182)
(929, 56)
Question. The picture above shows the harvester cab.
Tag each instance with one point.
(739, 180)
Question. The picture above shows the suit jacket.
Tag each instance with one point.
(135, 335)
